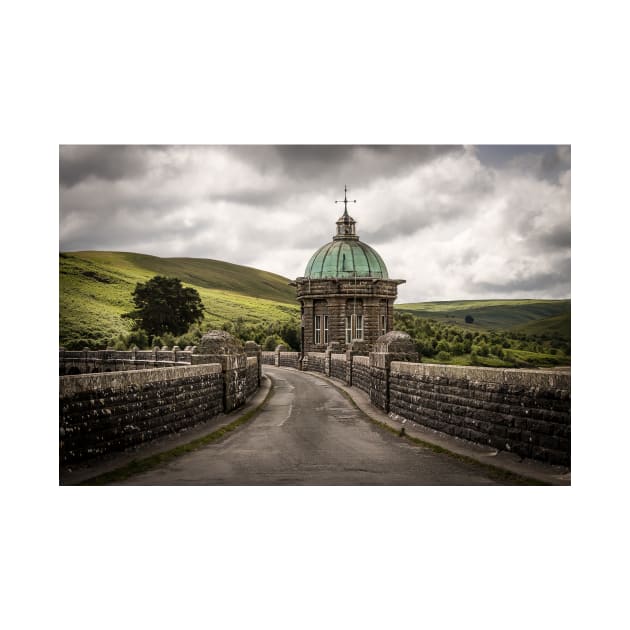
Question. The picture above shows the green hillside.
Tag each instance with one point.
(95, 289)
(536, 317)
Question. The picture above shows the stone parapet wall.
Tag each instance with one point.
(289, 359)
(317, 362)
(96, 361)
(527, 412)
(109, 412)
(252, 380)
(338, 366)
(106, 410)
(268, 358)
(361, 373)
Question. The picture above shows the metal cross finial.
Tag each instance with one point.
(345, 200)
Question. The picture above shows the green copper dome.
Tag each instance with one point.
(345, 258)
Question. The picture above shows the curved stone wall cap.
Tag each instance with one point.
(395, 341)
(251, 345)
(219, 342)
(393, 335)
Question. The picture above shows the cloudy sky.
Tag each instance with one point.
(457, 222)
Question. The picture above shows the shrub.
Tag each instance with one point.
(443, 356)
(271, 342)
(443, 346)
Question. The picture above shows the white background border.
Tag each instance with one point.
(280, 72)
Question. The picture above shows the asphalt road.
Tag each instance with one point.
(310, 434)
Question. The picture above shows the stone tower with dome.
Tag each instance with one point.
(345, 294)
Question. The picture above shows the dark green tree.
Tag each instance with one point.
(163, 305)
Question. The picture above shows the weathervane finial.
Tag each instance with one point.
(345, 200)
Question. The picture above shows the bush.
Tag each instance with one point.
(443, 356)
(137, 338)
(443, 346)
(271, 342)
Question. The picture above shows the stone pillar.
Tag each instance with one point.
(176, 349)
(279, 348)
(218, 346)
(393, 346)
(252, 349)
(334, 347)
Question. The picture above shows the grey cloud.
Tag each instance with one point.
(108, 162)
(412, 222)
(339, 164)
(558, 279)
(557, 238)
(548, 162)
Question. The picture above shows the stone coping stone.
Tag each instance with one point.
(69, 385)
(321, 355)
(361, 360)
(528, 378)
(338, 357)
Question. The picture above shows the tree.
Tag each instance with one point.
(163, 305)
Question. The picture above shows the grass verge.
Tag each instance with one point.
(138, 466)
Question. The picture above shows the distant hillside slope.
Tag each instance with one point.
(528, 316)
(95, 289)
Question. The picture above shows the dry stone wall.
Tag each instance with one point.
(288, 359)
(527, 412)
(109, 412)
(317, 362)
(95, 361)
(252, 381)
(106, 409)
(361, 373)
(338, 366)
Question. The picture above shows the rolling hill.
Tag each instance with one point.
(534, 317)
(95, 289)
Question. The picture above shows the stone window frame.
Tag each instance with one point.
(358, 327)
(354, 324)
